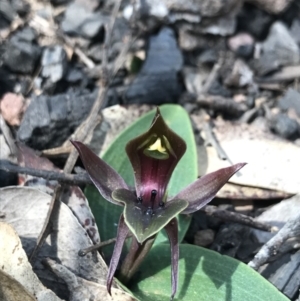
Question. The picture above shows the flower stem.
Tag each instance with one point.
(134, 258)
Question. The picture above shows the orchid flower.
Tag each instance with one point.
(148, 208)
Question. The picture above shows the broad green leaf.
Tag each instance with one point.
(107, 215)
(203, 275)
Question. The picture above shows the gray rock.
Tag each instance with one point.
(208, 56)
(277, 216)
(174, 17)
(54, 63)
(285, 126)
(21, 56)
(155, 8)
(157, 82)
(279, 49)
(217, 88)
(242, 44)
(190, 11)
(204, 238)
(59, 2)
(194, 78)
(163, 53)
(229, 239)
(272, 6)
(295, 30)
(49, 121)
(6, 81)
(291, 100)
(79, 20)
(189, 40)
(7, 12)
(21, 7)
(27, 34)
(221, 26)
(240, 75)
(204, 8)
(284, 274)
(75, 75)
(254, 21)
(7, 178)
(121, 30)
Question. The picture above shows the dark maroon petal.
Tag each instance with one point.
(152, 172)
(105, 178)
(172, 232)
(203, 190)
(121, 237)
(27, 157)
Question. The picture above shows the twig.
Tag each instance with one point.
(8, 136)
(212, 76)
(84, 59)
(219, 103)
(88, 126)
(83, 179)
(290, 229)
(210, 139)
(287, 73)
(237, 218)
(128, 41)
(47, 226)
(80, 179)
(104, 82)
(47, 29)
(100, 245)
(112, 22)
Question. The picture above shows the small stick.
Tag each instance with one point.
(212, 140)
(47, 226)
(90, 121)
(83, 179)
(72, 179)
(212, 75)
(220, 103)
(100, 245)
(84, 59)
(88, 126)
(237, 218)
(290, 229)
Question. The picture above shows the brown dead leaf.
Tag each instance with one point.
(82, 289)
(26, 208)
(72, 195)
(242, 192)
(12, 290)
(27, 157)
(18, 281)
(273, 163)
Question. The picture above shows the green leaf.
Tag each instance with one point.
(203, 275)
(143, 223)
(106, 214)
